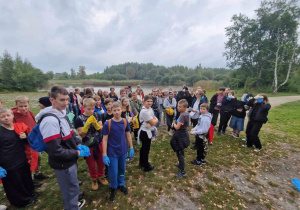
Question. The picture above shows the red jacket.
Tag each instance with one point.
(28, 119)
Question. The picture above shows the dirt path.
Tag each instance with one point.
(276, 101)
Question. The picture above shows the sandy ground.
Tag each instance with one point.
(276, 101)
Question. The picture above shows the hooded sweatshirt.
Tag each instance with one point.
(169, 103)
(60, 139)
(203, 124)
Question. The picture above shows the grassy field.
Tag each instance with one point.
(234, 178)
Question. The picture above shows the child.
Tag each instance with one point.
(238, 118)
(200, 131)
(215, 105)
(89, 126)
(98, 106)
(112, 94)
(115, 133)
(180, 139)
(169, 105)
(149, 121)
(122, 94)
(108, 114)
(226, 111)
(257, 117)
(135, 104)
(23, 114)
(14, 168)
(126, 110)
(195, 108)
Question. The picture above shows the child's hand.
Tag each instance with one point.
(148, 125)
(23, 136)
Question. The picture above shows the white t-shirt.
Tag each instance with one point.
(145, 116)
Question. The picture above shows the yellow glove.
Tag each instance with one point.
(89, 121)
(96, 125)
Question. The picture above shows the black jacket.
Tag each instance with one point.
(239, 105)
(259, 112)
(228, 105)
(213, 102)
(180, 140)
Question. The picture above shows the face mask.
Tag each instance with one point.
(260, 100)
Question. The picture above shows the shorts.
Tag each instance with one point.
(237, 123)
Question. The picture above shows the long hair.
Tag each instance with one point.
(128, 109)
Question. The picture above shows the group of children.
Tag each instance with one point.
(105, 126)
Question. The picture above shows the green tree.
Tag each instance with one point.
(81, 72)
(50, 74)
(209, 74)
(130, 72)
(73, 74)
(265, 48)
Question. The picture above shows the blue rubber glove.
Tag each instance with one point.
(84, 153)
(229, 99)
(2, 172)
(202, 98)
(260, 100)
(131, 152)
(84, 148)
(296, 183)
(106, 160)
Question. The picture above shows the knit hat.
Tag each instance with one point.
(45, 101)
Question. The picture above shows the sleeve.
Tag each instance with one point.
(266, 107)
(181, 119)
(145, 117)
(203, 127)
(127, 129)
(105, 128)
(78, 123)
(50, 131)
(165, 105)
(173, 103)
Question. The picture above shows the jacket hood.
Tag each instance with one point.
(208, 115)
(52, 111)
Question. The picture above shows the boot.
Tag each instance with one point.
(94, 184)
(102, 180)
(112, 196)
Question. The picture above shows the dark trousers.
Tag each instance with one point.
(215, 117)
(18, 186)
(169, 121)
(224, 119)
(180, 156)
(145, 149)
(194, 122)
(252, 132)
(202, 145)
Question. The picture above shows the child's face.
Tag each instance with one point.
(108, 106)
(42, 106)
(123, 94)
(88, 110)
(22, 107)
(181, 108)
(6, 118)
(134, 96)
(126, 103)
(148, 103)
(203, 110)
(116, 112)
(98, 101)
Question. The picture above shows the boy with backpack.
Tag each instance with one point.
(115, 133)
(108, 114)
(180, 139)
(89, 127)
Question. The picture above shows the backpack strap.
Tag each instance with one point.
(109, 124)
(53, 115)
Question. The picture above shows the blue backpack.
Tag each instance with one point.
(35, 138)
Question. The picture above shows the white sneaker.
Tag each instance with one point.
(153, 139)
(170, 133)
(81, 203)
(2, 207)
(257, 149)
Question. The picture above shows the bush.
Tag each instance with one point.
(158, 78)
(208, 85)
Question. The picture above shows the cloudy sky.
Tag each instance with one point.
(57, 35)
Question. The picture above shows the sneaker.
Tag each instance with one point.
(210, 143)
(203, 161)
(245, 139)
(170, 133)
(80, 182)
(94, 184)
(196, 162)
(148, 168)
(32, 201)
(181, 174)
(130, 159)
(257, 149)
(81, 203)
(194, 148)
(36, 183)
(153, 139)
(3, 207)
(102, 180)
(219, 133)
(246, 146)
(123, 189)
(41, 176)
(177, 165)
(235, 135)
(127, 159)
(223, 132)
(112, 196)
